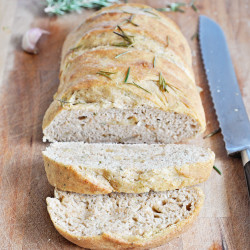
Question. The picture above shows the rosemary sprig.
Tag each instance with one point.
(106, 73)
(123, 53)
(173, 7)
(138, 86)
(162, 83)
(217, 170)
(60, 7)
(127, 38)
(154, 61)
(126, 78)
(177, 7)
(213, 133)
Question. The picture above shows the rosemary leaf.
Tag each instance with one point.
(162, 83)
(106, 73)
(124, 11)
(193, 6)
(150, 12)
(195, 36)
(167, 41)
(173, 7)
(123, 53)
(60, 7)
(75, 48)
(138, 86)
(213, 133)
(127, 75)
(217, 170)
(128, 40)
(122, 44)
(63, 101)
(130, 20)
(154, 61)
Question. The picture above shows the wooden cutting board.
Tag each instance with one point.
(28, 83)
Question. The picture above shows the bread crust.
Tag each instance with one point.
(102, 181)
(94, 36)
(112, 241)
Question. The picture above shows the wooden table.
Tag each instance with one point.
(28, 83)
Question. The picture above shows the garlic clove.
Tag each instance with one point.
(30, 39)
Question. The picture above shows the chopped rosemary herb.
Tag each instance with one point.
(130, 20)
(154, 61)
(150, 12)
(213, 133)
(124, 11)
(195, 36)
(217, 170)
(193, 6)
(63, 101)
(123, 53)
(106, 73)
(127, 75)
(167, 41)
(75, 48)
(128, 40)
(138, 86)
(162, 83)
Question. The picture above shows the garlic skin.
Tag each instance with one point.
(30, 39)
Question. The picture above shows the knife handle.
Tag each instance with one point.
(245, 156)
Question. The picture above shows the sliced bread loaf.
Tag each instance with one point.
(124, 221)
(131, 168)
(127, 83)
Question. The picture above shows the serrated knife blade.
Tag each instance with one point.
(225, 91)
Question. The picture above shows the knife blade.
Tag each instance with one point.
(225, 91)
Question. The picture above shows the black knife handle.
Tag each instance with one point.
(247, 174)
(245, 156)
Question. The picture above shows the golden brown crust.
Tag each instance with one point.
(111, 241)
(67, 178)
(89, 49)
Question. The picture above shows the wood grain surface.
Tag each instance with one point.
(28, 83)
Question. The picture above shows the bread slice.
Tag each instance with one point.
(124, 221)
(157, 103)
(131, 168)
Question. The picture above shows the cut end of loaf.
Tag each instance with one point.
(140, 219)
(138, 125)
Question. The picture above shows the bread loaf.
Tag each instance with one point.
(124, 221)
(104, 168)
(126, 76)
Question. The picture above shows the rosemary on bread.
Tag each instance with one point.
(128, 40)
(105, 73)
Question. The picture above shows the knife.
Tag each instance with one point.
(225, 91)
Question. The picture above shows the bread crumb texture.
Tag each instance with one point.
(119, 220)
(98, 168)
